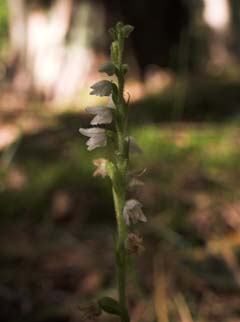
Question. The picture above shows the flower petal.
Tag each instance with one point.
(133, 212)
(91, 131)
(101, 88)
(97, 137)
(96, 141)
(103, 115)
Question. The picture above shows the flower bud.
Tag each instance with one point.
(115, 52)
(101, 169)
(134, 244)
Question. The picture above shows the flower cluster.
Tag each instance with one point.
(98, 136)
(103, 115)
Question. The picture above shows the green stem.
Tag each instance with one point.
(119, 201)
(119, 191)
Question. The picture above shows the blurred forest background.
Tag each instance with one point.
(57, 223)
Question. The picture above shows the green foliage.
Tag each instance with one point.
(3, 21)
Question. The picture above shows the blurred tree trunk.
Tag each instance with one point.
(35, 35)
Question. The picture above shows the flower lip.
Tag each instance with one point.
(91, 131)
(132, 212)
(97, 137)
(103, 115)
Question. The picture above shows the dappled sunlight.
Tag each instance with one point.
(216, 14)
(157, 79)
(8, 133)
(58, 61)
(16, 179)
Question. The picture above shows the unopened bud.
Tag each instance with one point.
(134, 244)
(101, 169)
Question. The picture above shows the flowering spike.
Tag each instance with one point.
(116, 112)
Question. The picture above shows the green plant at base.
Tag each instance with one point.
(128, 212)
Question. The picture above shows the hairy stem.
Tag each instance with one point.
(119, 189)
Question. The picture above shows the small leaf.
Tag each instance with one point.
(126, 30)
(108, 68)
(110, 305)
(101, 88)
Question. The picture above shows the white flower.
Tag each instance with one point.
(133, 211)
(101, 88)
(97, 137)
(133, 146)
(103, 115)
(101, 167)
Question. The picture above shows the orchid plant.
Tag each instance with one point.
(128, 212)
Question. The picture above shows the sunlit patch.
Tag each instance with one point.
(216, 13)
(16, 179)
(8, 134)
(58, 69)
(157, 79)
(61, 205)
(136, 89)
